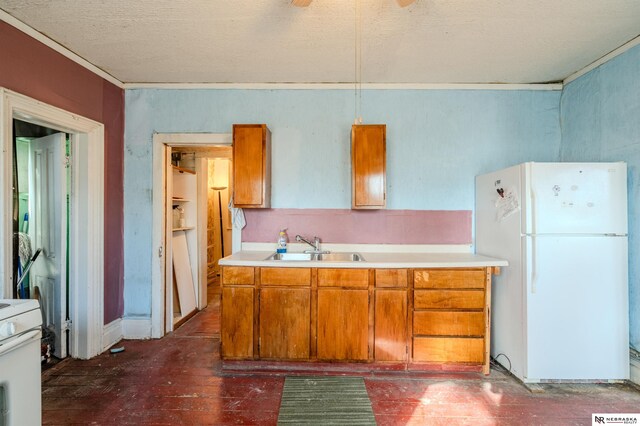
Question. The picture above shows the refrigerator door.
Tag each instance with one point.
(577, 308)
(576, 198)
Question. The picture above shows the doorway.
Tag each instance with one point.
(162, 293)
(197, 225)
(218, 166)
(85, 248)
(41, 198)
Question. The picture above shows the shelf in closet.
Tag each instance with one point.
(180, 200)
(183, 170)
(186, 228)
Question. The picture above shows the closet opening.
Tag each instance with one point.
(198, 228)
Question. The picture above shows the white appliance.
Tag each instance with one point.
(560, 311)
(20, 333)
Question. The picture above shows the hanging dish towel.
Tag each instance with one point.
(237, 216)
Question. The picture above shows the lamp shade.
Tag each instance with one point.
(220, 174)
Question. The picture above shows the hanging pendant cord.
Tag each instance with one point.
(355, 60)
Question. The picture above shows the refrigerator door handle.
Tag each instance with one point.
(534, 266)
(532, 200)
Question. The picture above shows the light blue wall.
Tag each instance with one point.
(600, 116)
(437, 142)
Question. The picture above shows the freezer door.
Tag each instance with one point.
(576, 198)
(577, 308)
(498, 212)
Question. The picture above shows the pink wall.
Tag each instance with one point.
(361, 226)
(33, 69)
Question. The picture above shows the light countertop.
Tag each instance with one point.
(371, 260)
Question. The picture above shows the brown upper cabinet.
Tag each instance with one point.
(251, 166)
(368, 166)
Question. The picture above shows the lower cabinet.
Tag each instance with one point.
(236, 334)
(408, 316)
(390, 325)
(343, 324)
(450, 322)
(285, 323)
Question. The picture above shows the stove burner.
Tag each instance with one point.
(4, 305)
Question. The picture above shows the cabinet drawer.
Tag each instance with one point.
(449, 278)
(285, 276)
(448, 323)
(448, 299)
(391, 277)
(448, 349)
(358, 278)
(238, 275)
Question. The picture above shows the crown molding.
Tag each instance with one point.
(16, 23)
(344, 86)
(606, 58)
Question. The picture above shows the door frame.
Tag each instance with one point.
(162, 142)
(86, 215)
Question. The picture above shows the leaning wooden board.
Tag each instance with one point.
(182, 269)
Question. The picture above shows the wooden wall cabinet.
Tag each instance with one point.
(368, 166)
(251, 166)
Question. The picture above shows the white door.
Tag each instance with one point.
(47, 229)
(577, 198)
(577, 308)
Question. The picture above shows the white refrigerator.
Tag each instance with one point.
(560, 310)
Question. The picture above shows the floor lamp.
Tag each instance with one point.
(219, 190)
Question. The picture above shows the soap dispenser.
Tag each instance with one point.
(282, 241)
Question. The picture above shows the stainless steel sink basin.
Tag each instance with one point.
(290, 256)
(341, 257)
(323, 257)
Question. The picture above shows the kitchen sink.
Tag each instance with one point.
(323, 257)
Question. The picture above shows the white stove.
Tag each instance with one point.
(20, 334)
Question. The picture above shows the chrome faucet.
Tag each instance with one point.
(315, 244)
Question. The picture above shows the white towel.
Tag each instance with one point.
(237, 215)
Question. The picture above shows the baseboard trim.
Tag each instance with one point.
(634, 366)
(136, 328)
(111, 334)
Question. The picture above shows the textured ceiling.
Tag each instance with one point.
(264, 41)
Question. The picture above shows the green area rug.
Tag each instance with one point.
(325, 401)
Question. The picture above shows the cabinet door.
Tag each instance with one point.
(343, 324)
(368, 166)
(237, 322)
(251, 165)
(391, 325)
(285, 323)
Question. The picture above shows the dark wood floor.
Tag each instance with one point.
(179, 380)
